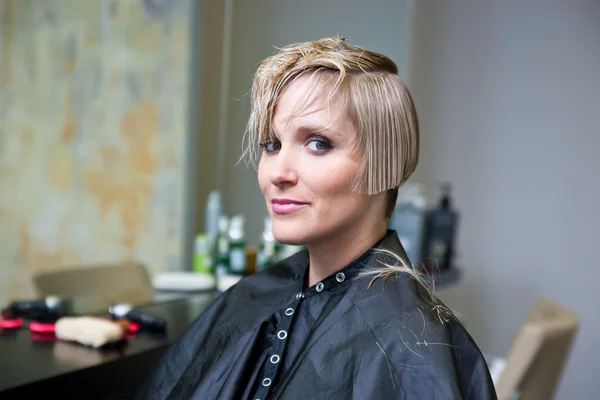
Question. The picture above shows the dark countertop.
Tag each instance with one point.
(30, 366)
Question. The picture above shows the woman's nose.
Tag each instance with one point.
(283, 169)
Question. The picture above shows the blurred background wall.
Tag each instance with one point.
(509, 99)
(93, 123)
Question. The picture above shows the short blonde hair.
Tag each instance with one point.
(375, 98)
(382, 111)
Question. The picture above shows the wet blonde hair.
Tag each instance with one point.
(367, 83)
(384, 116)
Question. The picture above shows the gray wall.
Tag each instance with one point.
(380, 25)
(509, 99)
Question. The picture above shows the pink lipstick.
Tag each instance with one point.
(286, 206)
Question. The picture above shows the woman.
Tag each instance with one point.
(349, 318)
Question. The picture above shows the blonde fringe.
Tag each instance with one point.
(401, 267)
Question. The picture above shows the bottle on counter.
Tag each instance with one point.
(237, 246)
(221, 249)
(440, 232)
(266, 252)
(203, 257)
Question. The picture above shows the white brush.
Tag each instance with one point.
(90, 331)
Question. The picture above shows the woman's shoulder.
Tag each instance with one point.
(403, 300)
(399, 292)
(391, 289)
(403, 312)
(419, 330)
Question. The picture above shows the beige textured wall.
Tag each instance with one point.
(93, 120)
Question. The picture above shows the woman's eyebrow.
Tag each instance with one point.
(316, 130)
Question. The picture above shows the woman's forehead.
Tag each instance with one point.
(310, 105)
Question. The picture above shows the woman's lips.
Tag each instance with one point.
(286, 206)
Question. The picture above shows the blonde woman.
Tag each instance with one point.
(336, 133)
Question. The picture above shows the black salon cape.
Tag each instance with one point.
(267, 338)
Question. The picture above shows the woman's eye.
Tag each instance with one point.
(319, 145)
(271, 146)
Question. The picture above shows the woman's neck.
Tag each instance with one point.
(334, 253)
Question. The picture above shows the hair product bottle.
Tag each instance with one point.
(221, 250)
(440, 233)
(203, 258)
(237, 246)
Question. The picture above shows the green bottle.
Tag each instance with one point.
(237, 246)
(203, 258)
(221, 251)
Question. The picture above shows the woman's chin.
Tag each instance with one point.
(293, 241)
(294, 237)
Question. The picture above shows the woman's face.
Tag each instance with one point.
(307, 173)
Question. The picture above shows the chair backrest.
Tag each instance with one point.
(539, 352)
(106, 284)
